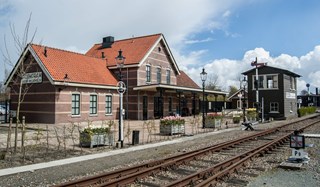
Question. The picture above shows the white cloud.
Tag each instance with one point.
(229, 71)
(198, 41)
(226, 14)
(62, 24)
(76, 25)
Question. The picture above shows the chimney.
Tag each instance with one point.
(45, 51)
(317, 92)
(107, 41)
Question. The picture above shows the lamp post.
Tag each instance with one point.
(244, 83)
(203, 76)
(121, 89)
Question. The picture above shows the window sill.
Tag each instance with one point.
(108, 114)
(273, 112)
(76, 116)
(266, 89)
(93, 115)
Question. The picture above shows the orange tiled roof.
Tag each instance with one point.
(80, 68)
(184, 80)
(134, 49)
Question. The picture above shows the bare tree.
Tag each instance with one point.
(20, 43)
(212, 82)
(232, 90)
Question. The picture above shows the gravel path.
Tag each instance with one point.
(58, 174)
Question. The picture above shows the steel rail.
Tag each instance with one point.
(216, 172)
(129, 175)
(118, 175)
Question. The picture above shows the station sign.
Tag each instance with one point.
(30, 78)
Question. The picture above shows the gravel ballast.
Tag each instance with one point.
(269, 174)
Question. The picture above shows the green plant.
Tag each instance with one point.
(251, 113)
(92, 131)
(236, 119)
(306, 110)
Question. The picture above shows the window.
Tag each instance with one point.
(75, 104)
(272, 81)
(274, 107)
(168, 76)
(266, 82)
(148, 70)
(239, 104)
(158, 75)
(292, 83)
(93, 104)
(108, 104)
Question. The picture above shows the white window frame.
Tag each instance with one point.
(148, 73)
(168, 76)
(76, 107)
(106, 105)
(274, 109)
(91, 108)
(159, 75)
(263, 84)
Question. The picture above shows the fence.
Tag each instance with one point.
(50, 142)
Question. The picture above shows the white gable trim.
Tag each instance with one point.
(167, 47)
(43, 68)
(33, 53)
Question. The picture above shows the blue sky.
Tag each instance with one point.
(222, 36)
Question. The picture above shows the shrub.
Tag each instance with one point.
(236, 119)
(306, 110)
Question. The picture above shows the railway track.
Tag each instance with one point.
(203, 167)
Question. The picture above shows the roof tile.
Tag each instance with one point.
(184, 80)
(78, 67)
(134, 49)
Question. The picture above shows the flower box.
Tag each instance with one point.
(213, 120)
(213, 123)
(172, 125)
(95, 137)
(171, 129)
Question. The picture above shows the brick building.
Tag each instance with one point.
(66, 86)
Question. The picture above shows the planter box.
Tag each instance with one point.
(213, 123)
(95, 140)
(172, 129)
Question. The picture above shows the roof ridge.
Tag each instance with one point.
(68, 51)
(137, 37)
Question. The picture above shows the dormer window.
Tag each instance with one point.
(148, 73)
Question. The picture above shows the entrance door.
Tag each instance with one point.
(145, 108)
(158, 107)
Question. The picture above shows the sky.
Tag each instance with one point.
(223, 37)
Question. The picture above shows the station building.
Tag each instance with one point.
(277, 91)
(64, 86)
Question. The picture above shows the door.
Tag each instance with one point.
(145, 108)
(158, 107)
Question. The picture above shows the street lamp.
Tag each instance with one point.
(121, 89)
(244, 83)
(203, 76)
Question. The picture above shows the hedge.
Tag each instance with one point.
(306, 110)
